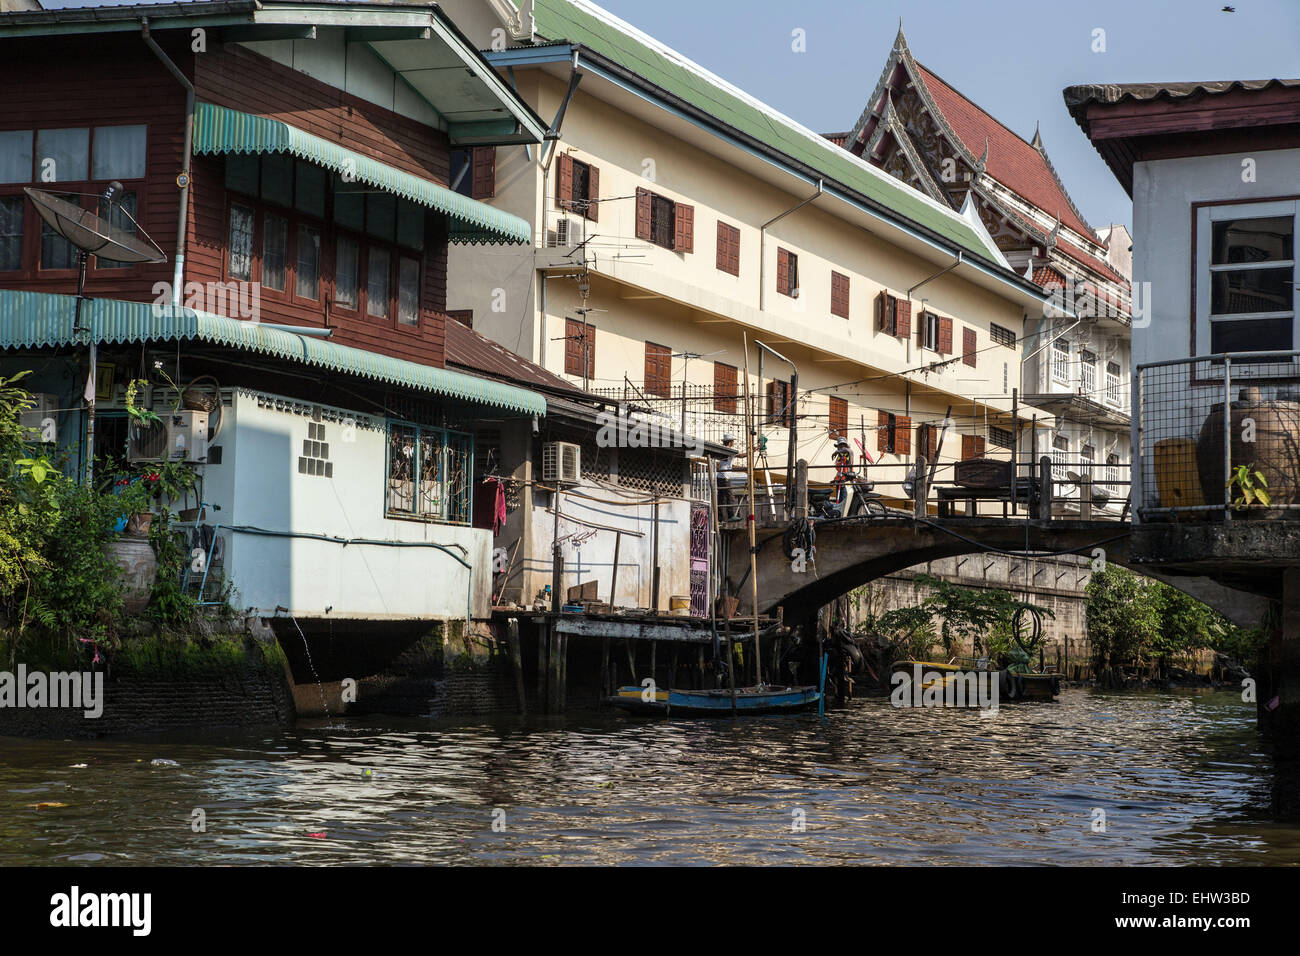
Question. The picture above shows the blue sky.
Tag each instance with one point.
(1012, 57)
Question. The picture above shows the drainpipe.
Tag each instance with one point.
(545, 155)
(183, 181)
(762, 243)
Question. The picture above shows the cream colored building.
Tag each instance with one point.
(675, 216)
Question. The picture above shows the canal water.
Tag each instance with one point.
(1093, 778)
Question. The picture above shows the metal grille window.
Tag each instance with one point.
(1113, 477)
(429, 471)
(1088, 455)
(1001, 437)
(644, 469)
(1112, 384)
(241, 242)
(1061, 361)
(11, 233)
(661, 221)
(1087, 372)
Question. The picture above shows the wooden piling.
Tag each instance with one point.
(516, 661)
(542, 665)
(605, 689)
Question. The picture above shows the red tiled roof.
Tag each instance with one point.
(1072, 251)
(1047, 276)
(1012, 161)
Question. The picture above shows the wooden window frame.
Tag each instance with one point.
(683, 225)
(840, 288)
(578, 334)
(656, 353)
(588, 205)
(969, 346)
(837, 417)
(893, 315)
(972, 446)
(726, 388)
(781, 404)
(787, 273)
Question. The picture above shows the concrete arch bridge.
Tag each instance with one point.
(850, 552)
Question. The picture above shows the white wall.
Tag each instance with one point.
(258, 484)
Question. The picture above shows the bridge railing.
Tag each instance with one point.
(1071, 488)
(1210, 430)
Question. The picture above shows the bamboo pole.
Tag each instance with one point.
(753, 532)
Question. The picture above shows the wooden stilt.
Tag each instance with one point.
(517, 661)
(562, 684)
(672, 672)
(631, 660)
(654, 648)
(605, 689)
(553, 671)
(542, 665)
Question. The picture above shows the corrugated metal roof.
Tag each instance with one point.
(470, 350)
(44, 320)
(588, 25)
(1117, 92)
(218, 129)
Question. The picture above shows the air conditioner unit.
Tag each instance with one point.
(179, 436)
(561, 462)
(41, 418)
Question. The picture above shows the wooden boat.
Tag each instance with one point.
(714, 703)
(1012, 685)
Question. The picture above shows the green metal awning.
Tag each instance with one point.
(218, 129)
(31, 320)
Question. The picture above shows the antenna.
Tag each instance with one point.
(91, 235)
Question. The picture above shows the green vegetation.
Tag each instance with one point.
(1136, 622)
(1250, 486)
(60, 588)
(951, 615)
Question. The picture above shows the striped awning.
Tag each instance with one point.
(218, 129)
(31, 320)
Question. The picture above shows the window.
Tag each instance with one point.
(893, 433)
(81, 160)
(1246, 277)
(1001, 336)
(378, 279)
(474, 172)
(894, 315)
(972, 446)
(1060, 457)
(780, 403)
(1006, 377)
(1113, 477)
(930, 331)
(1112, 384)
(11, 232)
(1061, 361)
(346, 253)
(1087, 456)
(839, 417)
(664, 222)
(728, 249)
(969, 347)
(429, 474)
(1087, 373)
(578, 188)
(927, 441)
(240, 247)
(724, 388)
(658, 365)
(408, 291)
(839, 295)
(275, 251)
(579, 349)
(787, 273)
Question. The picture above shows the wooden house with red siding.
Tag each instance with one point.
(294, 165)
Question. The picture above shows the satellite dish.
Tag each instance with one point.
(91, 234)
(1074, 477)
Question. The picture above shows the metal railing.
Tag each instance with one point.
(1204, 421)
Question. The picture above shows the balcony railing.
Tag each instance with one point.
(1207, 426)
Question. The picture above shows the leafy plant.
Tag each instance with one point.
(141, 416)
(1250, 484)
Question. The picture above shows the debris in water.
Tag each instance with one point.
(163, 762)
(317, 836)
(79, 766)
(47, 805)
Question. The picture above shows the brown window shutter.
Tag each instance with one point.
(564, 182)
(968, 349)
(921, 321)
(839, 417)
(657, 369)
(684, 221)
(485, 172)
(925, 437)
(733, 260)
(722, 256)
(782, 272)
(887, 313)
(903, 435)
(972, 446)
(724, 387)
(593, 194)
(880, 309)
(643, 214)
(839, 295)
(574, 332)
(883, 438)
(904, 318)
(945, 335)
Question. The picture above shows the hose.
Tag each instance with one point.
(800, 534)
